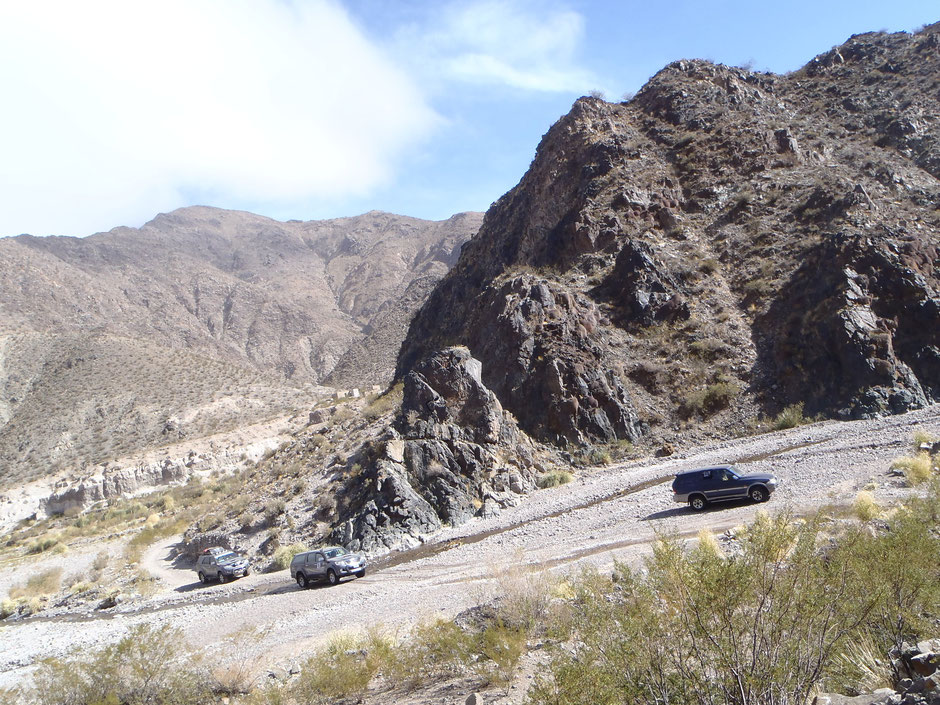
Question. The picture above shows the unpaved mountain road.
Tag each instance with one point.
(606, 514)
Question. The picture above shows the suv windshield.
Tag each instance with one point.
(335, 552)
(732, 475)
(226, 557)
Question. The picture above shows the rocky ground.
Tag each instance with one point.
(606, 514)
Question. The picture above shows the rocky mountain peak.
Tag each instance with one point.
(723, 245)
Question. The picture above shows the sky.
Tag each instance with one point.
(114, 111)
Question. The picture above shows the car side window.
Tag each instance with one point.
(724, 476)
(707, 474)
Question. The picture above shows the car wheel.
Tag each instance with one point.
(331, 577)
(697, 502)
(202, 578)
(361, 573)
(222, 577)
(758, 494)
(301, 580)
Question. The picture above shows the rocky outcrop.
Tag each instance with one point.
(114, 481)
(455, 454)
(854, 329)
(726, 235)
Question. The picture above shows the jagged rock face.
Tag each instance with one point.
(862, 318)
(456, 454)
(772, 239)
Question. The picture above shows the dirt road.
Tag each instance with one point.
(605, 514)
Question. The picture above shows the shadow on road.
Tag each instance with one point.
(687, 511)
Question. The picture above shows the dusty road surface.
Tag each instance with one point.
(605, 514)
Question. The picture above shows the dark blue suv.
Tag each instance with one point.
(701, 486)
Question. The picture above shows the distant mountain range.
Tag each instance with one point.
(104, 338)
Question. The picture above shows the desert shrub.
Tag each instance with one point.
(45, 543)
(343, 413)
(384, 403)
(705, 402)
(859, 668)
(708, 348)
(44, 583)
(921, 437)
(285, 554)
(146, 666)
(499, 649)
(436, 649)
(553, 478)
(766, 623)
(523, 598)
(274, 508)
(865, 506)
(791, 417)
(340, 669)
(917, 469)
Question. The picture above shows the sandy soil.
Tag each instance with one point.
(606, 514)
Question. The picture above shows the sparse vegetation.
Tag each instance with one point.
(285, 554)
(917, 469)
(553, 478)
(769, 622)
(790, 417)
(865, 506)
(713, 398)
(41, 584)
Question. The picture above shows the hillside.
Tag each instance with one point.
(722, 246)
(214, 317)
(672, 270)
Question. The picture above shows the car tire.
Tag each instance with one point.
(697, 502)
(302, 580)
(222, 577)
(331, 577)
(758, 494)
(202, 578)
(361, 573)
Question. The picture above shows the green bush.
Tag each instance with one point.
(340, 669)
(791, 417)
(917, 469)
(285, 554)
(705, 402)
(767, 623)
(146, 666)
(554, 478)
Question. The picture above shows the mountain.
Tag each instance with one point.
(722, 246)
(219, 317)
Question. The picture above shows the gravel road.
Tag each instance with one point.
(605, 514)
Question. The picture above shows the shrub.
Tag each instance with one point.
(791, 417)
(710, 400)
(44, 583)
(146, 666)
(285, 554)
(766, 623)
(553, 478)
(384, 403)
(917, 469)
(45, 543)
(339, 670)
(435, 650)
(921, 437)
(865, 506)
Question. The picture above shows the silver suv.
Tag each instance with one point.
(220, 564)
(326, 564)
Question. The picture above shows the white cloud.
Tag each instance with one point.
(503, 42)
(113, 109)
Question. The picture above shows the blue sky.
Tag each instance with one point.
(115, 111)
